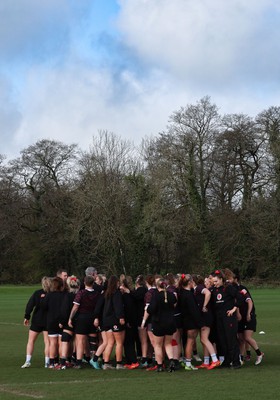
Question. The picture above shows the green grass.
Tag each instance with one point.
(262, 382)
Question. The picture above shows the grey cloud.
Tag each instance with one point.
(36, 28)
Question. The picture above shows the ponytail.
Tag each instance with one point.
(161, 284)
(184, 280)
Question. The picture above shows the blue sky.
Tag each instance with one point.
(70, 68)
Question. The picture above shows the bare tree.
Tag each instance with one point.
(102, 201)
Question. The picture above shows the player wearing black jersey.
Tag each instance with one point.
(38, 322)
(226, 299)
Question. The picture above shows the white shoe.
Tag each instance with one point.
(26, 365)
(108, 366)
(190, 368)
(197, 358)
(120, 366)
(259, 359)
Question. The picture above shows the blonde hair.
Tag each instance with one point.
(46, 283)
(73, 284)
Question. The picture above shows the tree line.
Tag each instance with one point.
(202, 194)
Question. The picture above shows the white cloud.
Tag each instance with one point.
(168, 54)
(10, 117)
(73, 103)
(206, 41)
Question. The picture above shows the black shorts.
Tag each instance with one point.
(251, 325)
(178, 321)
(190, 325)
(159, 330)
(114, 328)
(66, 327)
(37, 328)
(213, 336)
(240, 326)
(54, 329)
(207, 319)
(83, 324)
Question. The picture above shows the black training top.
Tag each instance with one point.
(191, 316)
(113, 309)
(224, 298)
(34, 304)
(139, 295)
(161, 308)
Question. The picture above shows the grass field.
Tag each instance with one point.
(250, 382)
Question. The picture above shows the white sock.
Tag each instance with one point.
(28, 359)
(47, 360)
(206, 360)
(214, 357)
(222, 359)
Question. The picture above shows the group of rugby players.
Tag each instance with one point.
(153, 323)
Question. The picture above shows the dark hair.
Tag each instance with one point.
(112, 286)
(198, 279)
(89, 280)
(59, 271)
(184, 280)
(170, 279)
(140, 280)
(219, 274)
(127, 282)
(150, 279)
(236, 274)
(57, 284)
(161, 283)
(228, 274)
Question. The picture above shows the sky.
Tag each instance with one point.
(72, 68)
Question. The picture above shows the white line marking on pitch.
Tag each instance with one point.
(72, 382)
(18, 393)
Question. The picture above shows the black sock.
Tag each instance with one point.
(258, 352)
(248, 352)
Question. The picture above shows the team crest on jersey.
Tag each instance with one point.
(219, 297)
